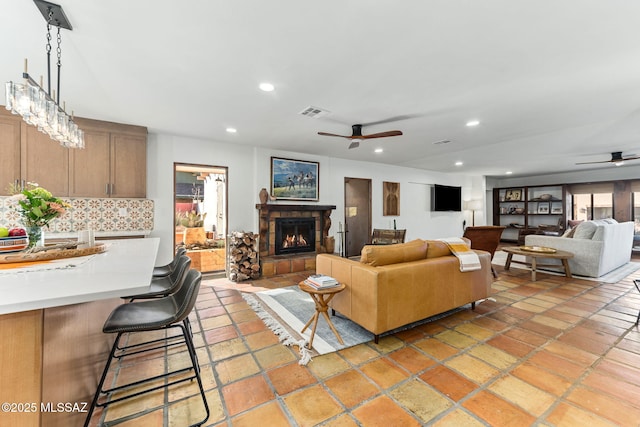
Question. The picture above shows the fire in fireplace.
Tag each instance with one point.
(295, 235)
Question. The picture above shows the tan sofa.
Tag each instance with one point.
(395, 285)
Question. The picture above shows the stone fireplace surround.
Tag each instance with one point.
(273, 264)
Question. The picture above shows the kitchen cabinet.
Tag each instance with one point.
(113, 162)
(527, 209)
(10, 159)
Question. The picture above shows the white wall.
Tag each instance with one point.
(250, 169)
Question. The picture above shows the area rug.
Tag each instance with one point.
(286, 310)
(500, 257)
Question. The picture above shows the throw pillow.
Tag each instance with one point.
(574, 222)
(585, 230)
(378, 255)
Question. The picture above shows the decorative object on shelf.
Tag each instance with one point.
(543, 207)
(294, 179)
(539, 249)
(37, 207)
(556, 208)
(264, 196)
(390, 198)
(513, 195)
(37, 106)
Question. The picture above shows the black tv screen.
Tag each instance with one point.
(446, 198)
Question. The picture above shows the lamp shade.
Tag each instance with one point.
(473, 205)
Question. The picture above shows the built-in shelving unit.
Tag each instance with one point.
(523, 210)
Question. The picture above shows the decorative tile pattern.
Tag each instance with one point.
(96, 214)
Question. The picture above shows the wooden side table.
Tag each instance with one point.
(558, 254)
(321, 297)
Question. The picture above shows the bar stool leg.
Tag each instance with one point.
(102, 378)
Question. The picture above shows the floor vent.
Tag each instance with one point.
(314, 112)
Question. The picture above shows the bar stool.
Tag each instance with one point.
(165, 270)
(151, 315)
(163, 286)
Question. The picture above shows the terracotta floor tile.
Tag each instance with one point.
(511, 346)
(351, 388)
(624, 372)
(383, 412)
(151, 419)
(288, 378)
(458, 418)
(411, 359)
(620, 389)
(215, 322)
(448, 382)
(311, 406)
(384, 372)
(527, 306)
(228, 348)
(246, 394)
(472, 368)
(569, 352)
(523, 394)
(497, 411)
(624, 357)
(474, 331)
(493, 356)
(539, 328)
(526, 336)
(186, 412)
(565, 415)
(236, 368)
(328, 365)
(629, 345)
(605, 406)
(217, 335)
(421, 400)
(276, 355)
(261, 339)
(542, 378)
(344, 420)
(255, 417)
(251, 326)
(456, 339)
(557, 365)
(490, 323)
(359, 354)
(436, 348)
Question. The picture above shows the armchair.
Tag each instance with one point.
(485, 238)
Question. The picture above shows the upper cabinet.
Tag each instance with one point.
(112, 164)
(530, 208)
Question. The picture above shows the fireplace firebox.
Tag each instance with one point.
(295, 235)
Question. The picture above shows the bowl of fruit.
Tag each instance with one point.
(13, 240)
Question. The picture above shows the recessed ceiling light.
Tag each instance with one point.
(267, 87)
(472, 123)
(459, 163)
(232, 130)
(508, 173)
(378, 150)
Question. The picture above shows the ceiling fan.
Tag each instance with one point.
(616, 158)
(357, 136)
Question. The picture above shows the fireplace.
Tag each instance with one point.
(294, 235)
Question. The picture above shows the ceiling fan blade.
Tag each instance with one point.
(593, 163)
(333, 134)
(383, 134)
(631, 158)
(354, 144)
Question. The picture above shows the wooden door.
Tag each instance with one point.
(89, 167)
(44, 161)
(128, 165)
(357, 202)
(10, 158)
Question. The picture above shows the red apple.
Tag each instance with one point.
(17, 232)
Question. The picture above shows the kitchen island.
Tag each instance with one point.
(52, 348)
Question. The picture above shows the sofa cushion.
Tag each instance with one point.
(376, 255)
(585, 230)
(438, 248)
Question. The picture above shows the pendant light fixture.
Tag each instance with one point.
(42, 108)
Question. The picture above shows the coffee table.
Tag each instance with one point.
(535, 255)
(321, 297)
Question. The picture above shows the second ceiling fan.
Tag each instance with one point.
(357, 136)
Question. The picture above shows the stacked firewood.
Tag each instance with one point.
(243, 256)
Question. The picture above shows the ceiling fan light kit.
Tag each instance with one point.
(616, 158)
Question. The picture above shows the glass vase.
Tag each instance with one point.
(36, 236)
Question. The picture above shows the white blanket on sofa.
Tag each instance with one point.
(469, 260)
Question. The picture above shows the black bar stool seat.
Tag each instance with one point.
(167, 269)
(163, 286)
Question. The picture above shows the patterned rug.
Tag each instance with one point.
(286, 310)
(500, 257)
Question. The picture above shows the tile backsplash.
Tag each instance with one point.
(101, 215)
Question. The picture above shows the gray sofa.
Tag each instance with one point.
(599, 246)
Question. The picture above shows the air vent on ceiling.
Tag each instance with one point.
(444, 141)
(314, 112)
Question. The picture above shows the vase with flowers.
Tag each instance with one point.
(37, 207)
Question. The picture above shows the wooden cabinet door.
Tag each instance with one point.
(10, 143)
(89, 167)
(128, 165)
(44, 161)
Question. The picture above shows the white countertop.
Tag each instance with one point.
(125, 268)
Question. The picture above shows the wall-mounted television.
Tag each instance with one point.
(445, 198)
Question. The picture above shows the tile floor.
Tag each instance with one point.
(556, 352)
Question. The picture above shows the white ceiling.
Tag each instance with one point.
(552, 82)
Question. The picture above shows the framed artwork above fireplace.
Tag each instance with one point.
(294, 179)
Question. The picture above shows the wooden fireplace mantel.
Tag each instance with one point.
(269, 212)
